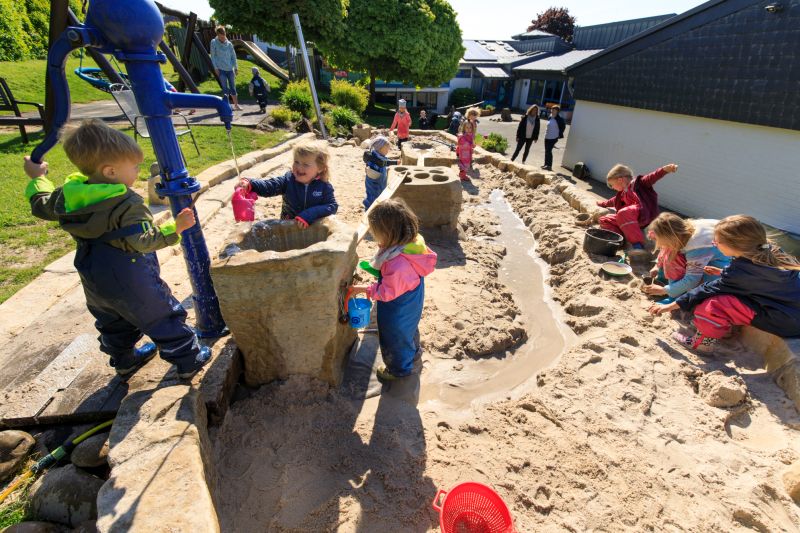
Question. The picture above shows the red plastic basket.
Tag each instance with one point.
(472, 508)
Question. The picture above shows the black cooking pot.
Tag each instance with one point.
(602, 242)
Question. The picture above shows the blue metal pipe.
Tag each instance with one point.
(131, 30)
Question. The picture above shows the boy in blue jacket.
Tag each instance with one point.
(306, 189)
(377, 163)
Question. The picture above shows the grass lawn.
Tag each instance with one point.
(28, 244)
(26, 81)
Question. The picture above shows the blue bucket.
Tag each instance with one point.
(359, 309)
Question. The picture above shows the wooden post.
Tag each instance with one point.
(207, 58)
(186, 53)
(186, 78)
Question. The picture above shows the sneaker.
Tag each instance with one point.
(200, 360)
(547, 167)
(384, 375)
(697, 342)
(142, 355)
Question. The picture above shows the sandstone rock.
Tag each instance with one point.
(160, 474)
(505, 115)
(791, 481)
(434, 194)
(279, 297)
(37, 527)
(14, 447)
(92, 452)
(66, 495)
(587, 306)
(362, 132)
(719, 390)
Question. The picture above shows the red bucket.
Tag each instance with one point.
(472, 508)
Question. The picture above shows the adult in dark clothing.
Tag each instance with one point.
(554, 132)
(527, 132)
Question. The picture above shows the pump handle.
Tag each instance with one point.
(71, 39)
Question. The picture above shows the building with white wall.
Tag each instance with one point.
(716, 90)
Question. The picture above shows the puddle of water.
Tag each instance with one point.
(525, 276)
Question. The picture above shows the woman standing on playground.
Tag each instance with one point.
(224, 58)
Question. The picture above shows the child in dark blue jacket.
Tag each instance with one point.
(306, 189)
(260, 89)
(377, 163)
(761, 287)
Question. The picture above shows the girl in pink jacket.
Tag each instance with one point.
(401, 264)
(402, 121)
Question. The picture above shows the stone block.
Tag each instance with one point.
(279, 289)
(14, 448)
(425, 153)
(362, 132)
(781, 359)
(160, 468)
(433, 193)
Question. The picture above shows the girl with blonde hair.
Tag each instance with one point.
(466, 142)
(761, 287)
(685, 247)
(306, 189)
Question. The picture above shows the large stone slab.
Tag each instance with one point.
(427, 152)
(279, 289)
(66, 495)
(160, 473)
(433, 193)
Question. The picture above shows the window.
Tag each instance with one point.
(464, 73)
(428, 99)
(535, 92)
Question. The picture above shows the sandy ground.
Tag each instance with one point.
(620, 433)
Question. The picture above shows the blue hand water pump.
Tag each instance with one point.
(131, 31)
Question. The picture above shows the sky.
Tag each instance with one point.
(500, 19)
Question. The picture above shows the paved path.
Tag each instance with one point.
(509, 131)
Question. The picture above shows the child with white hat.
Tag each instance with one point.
(376, 161)
(402, 121)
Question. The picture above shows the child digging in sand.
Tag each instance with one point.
(761, 287)
(116, 243)
(306, 189)
(377, 163)
(636, 203)
(685, 247)
(403, 261)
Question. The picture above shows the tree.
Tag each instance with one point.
(414, 41)
(555, 20)
(322, 20)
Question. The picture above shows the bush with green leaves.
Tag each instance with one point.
(463, 97)
(345, 94)
(494, 142)
(283, 115)
(344, 119)
(489, 108)
(297, 97)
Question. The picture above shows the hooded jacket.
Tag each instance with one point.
(88, 210)
(699, 252)
(402, 272)
(772, 293)
(310, 201)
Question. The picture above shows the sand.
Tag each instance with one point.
(616, 434)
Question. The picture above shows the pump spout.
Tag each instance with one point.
(203, 101)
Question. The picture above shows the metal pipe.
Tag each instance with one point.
(309, 74)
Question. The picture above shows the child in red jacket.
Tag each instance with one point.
(402, 121)
(636, 202)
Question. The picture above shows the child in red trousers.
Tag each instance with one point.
(636, 202)
(761, 287)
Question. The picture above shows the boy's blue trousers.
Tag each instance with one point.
(398, 330)
(374, 188)
(127, 297)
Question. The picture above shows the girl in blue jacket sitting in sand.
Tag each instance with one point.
(306, 189)
(761, 287)
(401, 264)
